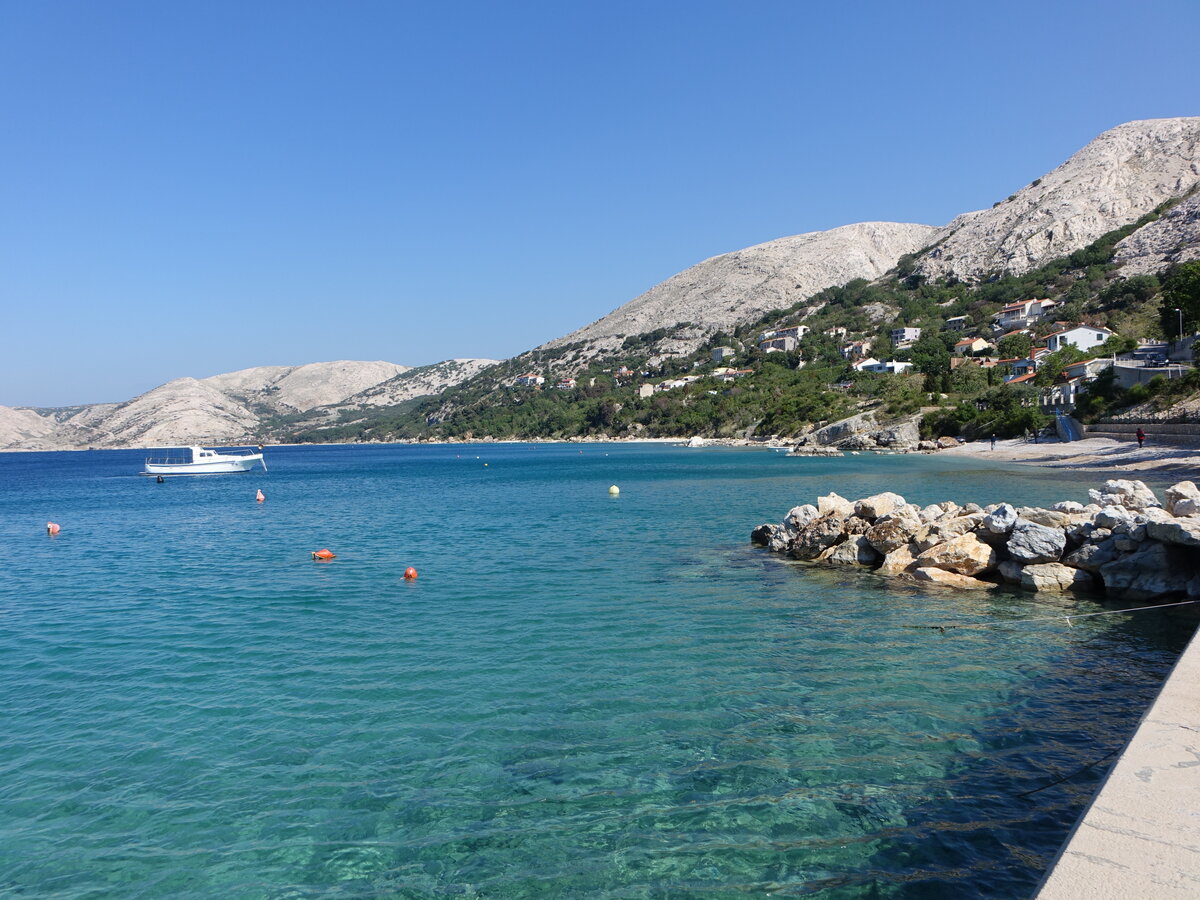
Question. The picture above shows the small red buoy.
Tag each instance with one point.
(323, 554)
(52, 528)
(410, 574)
(260, 496)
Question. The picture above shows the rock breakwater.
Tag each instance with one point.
(1125, 544)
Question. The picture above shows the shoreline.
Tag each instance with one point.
(1095, 454)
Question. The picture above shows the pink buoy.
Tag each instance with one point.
(52, 528)
(260, 496)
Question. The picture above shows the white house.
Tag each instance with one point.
(891, 367)
(903, 337)
(865, 364)
(1023, 314)
(956, 323)
(565, 384)
(836, 332)
(1083, 337)
(796, 331)
(530, 379)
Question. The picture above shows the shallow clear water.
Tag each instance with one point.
(580, 695)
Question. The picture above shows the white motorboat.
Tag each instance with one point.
(202, 461)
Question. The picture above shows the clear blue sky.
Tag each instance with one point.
(193, 188)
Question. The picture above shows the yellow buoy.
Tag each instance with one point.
(614, 490)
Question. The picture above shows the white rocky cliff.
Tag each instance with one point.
(1113, 181)
(726, 290)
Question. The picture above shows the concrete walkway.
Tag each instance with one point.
(1141, 835)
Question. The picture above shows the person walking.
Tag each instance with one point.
(1141, 438)
(993, 440)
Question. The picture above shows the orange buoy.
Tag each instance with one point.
(410, 574)
(52, 528)
(260, 496)
(323, 554)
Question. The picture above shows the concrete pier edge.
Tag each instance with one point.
(1140, 835)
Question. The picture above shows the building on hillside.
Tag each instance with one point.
(891, 367)
(530, 379)
(720, 354)
(1023, 314)
(836, 332)
(645, 390)
(732, 374)
(856, 349)
(1082, 337)
(623, 372)
(796, 331)
(968, 346)
(905, 337)
(864, 364)
(565, 384)
(957, 323)
(1074, 381)
(783, 343)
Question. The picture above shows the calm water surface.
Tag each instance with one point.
(580, 696)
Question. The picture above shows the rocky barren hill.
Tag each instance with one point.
(232, 407)
(724, 291)
(1113, 181)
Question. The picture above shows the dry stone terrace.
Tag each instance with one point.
(1126, 544)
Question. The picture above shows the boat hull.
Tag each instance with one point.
(223, 466)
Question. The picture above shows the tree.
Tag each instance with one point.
(931, 358)
(1052, 366)
(1014, 346)
(1181, 291)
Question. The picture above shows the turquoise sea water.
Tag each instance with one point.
(580, 696)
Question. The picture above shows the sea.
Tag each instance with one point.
(581, 694)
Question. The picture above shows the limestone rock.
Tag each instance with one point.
(833, 503)
(1120, 492)
(1054, 577)
(899, 560)
(1001, 520)
(1068, 506)
(1051, 518)
(965, 554)
(763, 534)
(818, 535)
(879, 505)
(1112, 517)
(945, 443)
(951, 579)
(1152, 573)
(1033, 543)
(799, 516)
(1183, 499)
(1010, 571)
(944, 529)
(855, 551)
(891, 532)
(1093, 557)
(1184, 532)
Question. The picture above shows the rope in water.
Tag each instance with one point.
(1107, 612)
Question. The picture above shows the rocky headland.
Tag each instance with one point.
(1125, 544)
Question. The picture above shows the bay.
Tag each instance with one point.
(581, 695)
